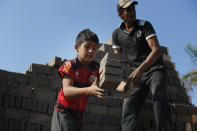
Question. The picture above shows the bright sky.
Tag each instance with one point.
(34, 31)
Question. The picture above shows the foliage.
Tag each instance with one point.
(190, 79)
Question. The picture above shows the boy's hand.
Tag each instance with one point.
(94, 90)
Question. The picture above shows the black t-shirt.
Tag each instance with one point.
(134, 44)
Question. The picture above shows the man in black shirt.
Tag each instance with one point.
(138, 40)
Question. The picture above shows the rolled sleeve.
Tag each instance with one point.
(149, 30)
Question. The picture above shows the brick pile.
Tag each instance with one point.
(26, 100)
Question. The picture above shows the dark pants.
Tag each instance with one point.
(156, 82)
(64, 121)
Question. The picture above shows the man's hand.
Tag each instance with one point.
(135, 77)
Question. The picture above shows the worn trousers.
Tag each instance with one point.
(156, 82)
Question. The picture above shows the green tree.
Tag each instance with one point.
(190, 79)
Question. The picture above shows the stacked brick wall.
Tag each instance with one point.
(26, 100)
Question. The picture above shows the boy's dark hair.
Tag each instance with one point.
(86, 34)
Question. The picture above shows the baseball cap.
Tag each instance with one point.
(125, 4)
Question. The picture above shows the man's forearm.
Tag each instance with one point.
(150, 60)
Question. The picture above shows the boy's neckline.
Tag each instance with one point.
(86, 66)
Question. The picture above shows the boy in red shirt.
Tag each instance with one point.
(80, 77)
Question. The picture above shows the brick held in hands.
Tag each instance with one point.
(109, 81)
(110, 70)
(111, 63)
(116, 58)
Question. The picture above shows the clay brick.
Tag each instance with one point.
(25, 103)
(98, 109)
(55, 62)
(111, 70)
(98, 119)
(28, 126)
(164, 50)
(22, 90)
(34, 104)
(45, 107)
(11, 113)
(40, 105)
(12, 101)
(5, 125)
(184, 117)
(6, 100)
(2, 112)
(33, 127)
(110, 62)
(44, 95)
(4, 88)
(41, 118)
(1, 100)
(22, 126)
(172, 88)
(166, 57)
(39, 69)
(18, 101)
(38, 127)
(14, 125)
(100, 54)
(115, 57)
(1, 125)
(106, 48)
(45, 128)
(109, 81)
(51, 107)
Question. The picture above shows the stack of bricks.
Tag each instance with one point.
(26, 100)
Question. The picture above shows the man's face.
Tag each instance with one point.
(128, 14)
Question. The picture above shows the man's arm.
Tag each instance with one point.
(153, 56)
(153, 43)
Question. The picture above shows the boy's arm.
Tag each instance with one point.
(70, 91)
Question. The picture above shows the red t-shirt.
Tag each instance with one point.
(82, 77)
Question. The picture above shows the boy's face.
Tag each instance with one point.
(86, 51)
